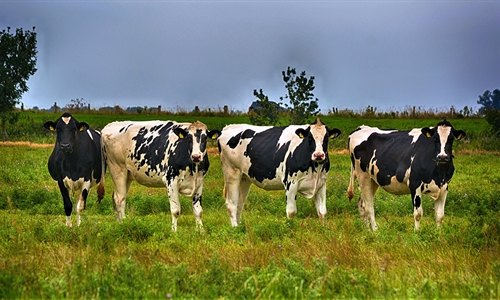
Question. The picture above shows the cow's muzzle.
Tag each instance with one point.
(66, 148)
(442, 159)
(196, 158)
(319, 157)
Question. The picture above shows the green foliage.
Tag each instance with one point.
(17, 63)
(300, 95)
(268, 113)
(490, 100)
(493, 118)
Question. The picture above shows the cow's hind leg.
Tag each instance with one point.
(80, 206)
(68, 205)
(244, 189)
(232, 179)
(365, 203)
(122, 185)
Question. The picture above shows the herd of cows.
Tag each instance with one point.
(292, 158)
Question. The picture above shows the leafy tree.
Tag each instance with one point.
(76, 105)
(268, 112)
(490, 100)
(17, 63)
(491, 109)
(302, 105)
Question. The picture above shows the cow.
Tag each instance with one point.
(292, 158)
(158, 154)
(415, 162)
(76, 162)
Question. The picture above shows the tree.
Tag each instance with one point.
(76, 105)
(490, 100)
(17, 63)
(267, 113)
(302, 103)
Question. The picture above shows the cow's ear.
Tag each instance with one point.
(180, 132)
(459, 134)
(302, 133)
(335, 132)
(82, 126)
(214, 134)
(428, 132)
(50, 125)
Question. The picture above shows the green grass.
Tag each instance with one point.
(268, 256)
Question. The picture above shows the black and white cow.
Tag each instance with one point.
(416, 162)
(293, 158)
(76, 162)
(158, 154)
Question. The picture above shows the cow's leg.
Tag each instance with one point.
(365, 203)
(439, 205)
(320, 202)
(232, 180)
(82, 199)
(416, 196)
(197, 208)
(68, 206)
(122, 184)
(291, 204)
(175, 205)
(245, 184)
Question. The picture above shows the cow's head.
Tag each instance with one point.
(196, 135)
(66, 128)
(317, 135)
(443, 135)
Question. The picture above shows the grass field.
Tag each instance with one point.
(268, 256)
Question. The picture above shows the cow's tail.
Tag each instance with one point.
(350, 189)
(100, 187)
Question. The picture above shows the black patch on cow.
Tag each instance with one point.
(265, 156)
(417, 202)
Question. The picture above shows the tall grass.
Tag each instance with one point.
(268, 256)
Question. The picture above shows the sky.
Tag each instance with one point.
(179, 54)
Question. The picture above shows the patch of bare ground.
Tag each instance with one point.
(26, 144)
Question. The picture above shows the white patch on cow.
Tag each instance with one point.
(318, 131)
(415, 133)
(90, 134)
(72, 185)
(362, 134)
(66, 120)
(443, 132)
(289, 135)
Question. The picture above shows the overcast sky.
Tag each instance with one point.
(178, 54)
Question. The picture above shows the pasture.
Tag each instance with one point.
(268, 256)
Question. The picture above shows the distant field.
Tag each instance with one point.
(30, 126)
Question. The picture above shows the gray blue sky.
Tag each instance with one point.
(178, 54)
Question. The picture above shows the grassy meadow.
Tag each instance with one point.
(268, 256)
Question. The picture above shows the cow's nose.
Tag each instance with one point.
(443, 158)
(318, 156)
(196, 157)
(65, 147)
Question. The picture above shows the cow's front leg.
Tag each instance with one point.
(175, 205)
(291, 204)
(320, 202)
(68, 205)
(197, 208)
(82, 201)
(416, 196)
(439, 205)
